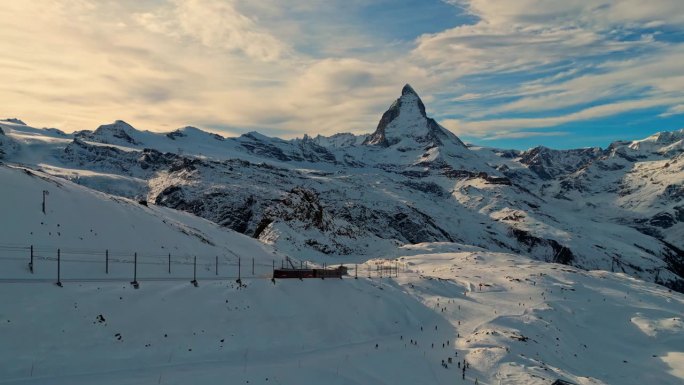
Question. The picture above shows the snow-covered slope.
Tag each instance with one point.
(513, 320)
(84, 223)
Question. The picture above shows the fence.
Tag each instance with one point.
(25, 264)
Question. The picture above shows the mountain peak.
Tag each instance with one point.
(14, 120)
(408, 90)
(406, 122)
(117, 131)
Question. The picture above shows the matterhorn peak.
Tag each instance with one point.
(406, 122)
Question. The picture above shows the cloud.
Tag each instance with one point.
(482, 126)
(674, 110)
(215, 24)
(533, 63)
(522, 134)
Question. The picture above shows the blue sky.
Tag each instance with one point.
(502, 73)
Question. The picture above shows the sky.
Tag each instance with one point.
(513, 74)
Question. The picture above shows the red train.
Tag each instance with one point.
(337, 272)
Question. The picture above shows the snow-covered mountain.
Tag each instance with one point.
(502, 258)
(349, 197)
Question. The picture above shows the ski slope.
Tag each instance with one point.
(529, 323)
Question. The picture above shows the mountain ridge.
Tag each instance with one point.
(347, 196)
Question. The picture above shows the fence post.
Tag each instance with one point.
(31, 263)
(169, 263)
(369, 271)
(106, 261)
(135, 271)
(356, 271)
(239, 280)
(252, 266)
(194, 272)
(217, 265)
(59, 263)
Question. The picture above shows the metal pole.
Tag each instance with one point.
(194, 272)
(169, 263)
(135, 271)
(106, 261)
(59, 263)
(31, 263)
(217, 265)
(239, 280)
(45, 192)
(252, 266)
(356, 271)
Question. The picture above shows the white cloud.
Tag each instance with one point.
(483, 126)
(674, 110)
(215, 24)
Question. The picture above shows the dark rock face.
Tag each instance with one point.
(561, 254)
(674, 192)
(111, 158)
(305, 149)
(303, 205)
(549, 164)
(662, 220)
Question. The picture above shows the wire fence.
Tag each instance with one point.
(41, 264)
